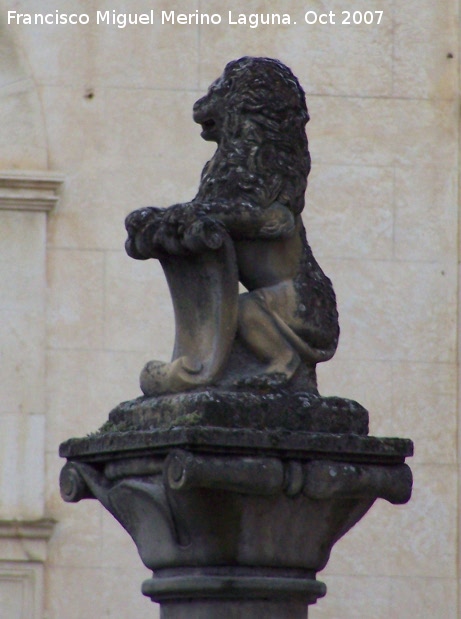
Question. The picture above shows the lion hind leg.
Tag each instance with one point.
(261, 334)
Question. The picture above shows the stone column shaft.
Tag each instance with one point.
(234, 609)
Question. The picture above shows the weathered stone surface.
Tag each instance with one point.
(233, 476)
(350, 447)
(277, 409)
(244, 225)
(241, 515)
(287, 608)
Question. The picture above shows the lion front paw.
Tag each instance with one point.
(141, 225)
(204, 234)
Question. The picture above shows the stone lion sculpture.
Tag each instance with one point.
(244, 225)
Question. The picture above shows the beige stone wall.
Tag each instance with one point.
(110, 110)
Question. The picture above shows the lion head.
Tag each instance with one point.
(256, 112)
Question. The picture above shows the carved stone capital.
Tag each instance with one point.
(220, 514)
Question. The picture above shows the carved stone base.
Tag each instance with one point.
(235, 523)
(304, 411)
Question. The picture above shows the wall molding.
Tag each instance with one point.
(25, 540)
(23, 552)
(21, 590)
(27, 190)
(27, 529)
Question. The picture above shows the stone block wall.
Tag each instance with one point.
(104, 114)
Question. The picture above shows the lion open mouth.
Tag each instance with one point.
(209, 128)
(208, 124)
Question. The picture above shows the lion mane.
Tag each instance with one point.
(262, 153)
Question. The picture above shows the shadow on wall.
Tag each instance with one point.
(22, 129)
